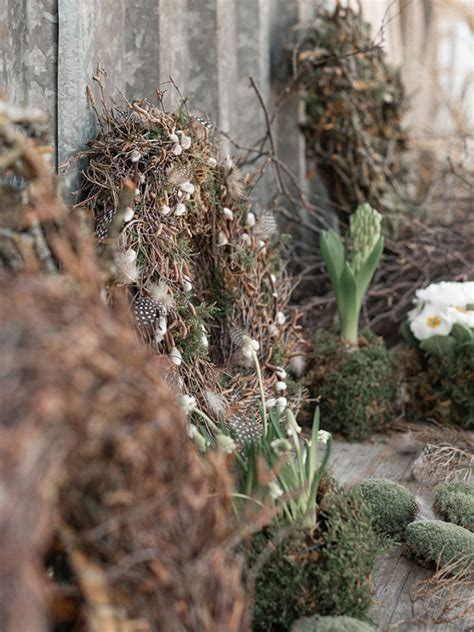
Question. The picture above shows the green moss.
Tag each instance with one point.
(455, 503)
(331, 624)
(325, 572)
(358, 388)
(392, 506)
(435, 541)
(444, 388)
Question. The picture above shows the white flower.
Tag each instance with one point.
(162, 326)
(177, 150)
(272, 330)
(280, 373)
(431, 321)
(280, 318)
(135, 156)
(461, 315)
(192, 430)
(222, 239)
(175, 356)
(212, 162)
(250, 220)
(448, 293)
(228, 213)
(179, 209)
(280, 446)
(185, 142)
(271, 403)
(187, 403)
(128, 215)
(187, 285)
(227, 444)
(249, 346)
(165, 210)
(174, 138)
(273, 278)
(188, 187)
(323, 436)
(246, 239)
(280, 386)
(275, 490)
(282, 403)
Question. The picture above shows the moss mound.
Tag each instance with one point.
(331, 624)
(392, 506)
(358, 388)
(435, 541)
(327, 571)
(455, 503)
(443, 389)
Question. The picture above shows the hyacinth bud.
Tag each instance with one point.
(365, 231)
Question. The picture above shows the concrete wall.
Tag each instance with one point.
(50, 50)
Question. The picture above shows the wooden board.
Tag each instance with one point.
(391, 458)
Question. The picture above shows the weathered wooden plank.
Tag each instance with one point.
(142, 48)
(28, 51)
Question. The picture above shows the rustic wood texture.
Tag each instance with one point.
(392, 458)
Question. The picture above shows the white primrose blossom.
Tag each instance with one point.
(275, 490)
(431, 321)
(448, 293)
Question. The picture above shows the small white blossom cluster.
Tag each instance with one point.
(280, 387)
(249, 347)
(180, 142)
(439, 306)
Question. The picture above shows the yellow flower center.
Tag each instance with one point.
(433, 321)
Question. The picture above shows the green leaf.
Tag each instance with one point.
(439, 346)
(366, 273)
(408, 334)
(313, 448)
(332, 251)
(461, 333)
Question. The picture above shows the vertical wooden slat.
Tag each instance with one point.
(28, 54)
(91, 32)
(142, 48)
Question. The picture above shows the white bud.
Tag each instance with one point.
(271, 403)
(177, 150)
(204, 341)
(162, 326)
(282, 403)
(272, 330)
(187, 403)
(187, 285)
(280, 373)
(185, 142)
(131, 255)
(175, 356)
(228, 213)
(280, 386)
(250, 220)
(275, 490)
(179, 209)
(222, 239)
(212, 162)
(165, 210)
(273, 278)
(323, 436)
(261, 244)
(135, 156)
(280, 318)
(141, 178)
(128, 215)
(137, 192)
(245, 239)
(228, 162)
(188, 187)
(174, 138)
